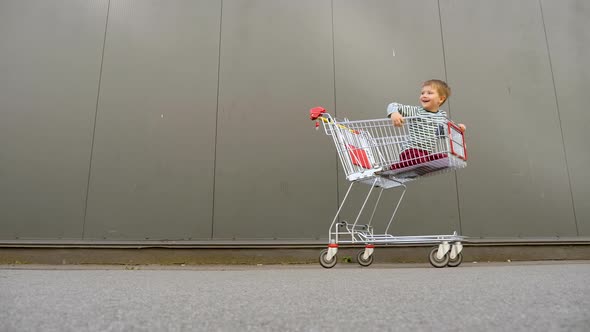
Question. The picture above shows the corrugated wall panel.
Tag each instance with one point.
(49, 65)
(568, 32)
(152, 166)
(497, 62)
(275, 175)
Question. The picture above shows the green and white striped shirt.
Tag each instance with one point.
(423, 131)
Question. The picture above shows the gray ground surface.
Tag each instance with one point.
(551, 296)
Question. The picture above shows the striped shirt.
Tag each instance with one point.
(424, 131)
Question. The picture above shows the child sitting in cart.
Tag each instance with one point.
(423, 132)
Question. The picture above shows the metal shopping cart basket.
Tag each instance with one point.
(376, 153)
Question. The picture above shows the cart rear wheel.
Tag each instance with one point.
(434, 261)
(327, 263)
(455, 262)
(362, 261)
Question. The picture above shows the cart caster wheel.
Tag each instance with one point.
(455, 262)
(434, 261)
(327, 263)
(362, 261)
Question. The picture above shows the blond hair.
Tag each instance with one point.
(441, 87)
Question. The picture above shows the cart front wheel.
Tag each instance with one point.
(434, 261)
(362, 261)
(327, 263)
(455, 262)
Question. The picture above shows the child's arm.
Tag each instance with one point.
(460, 125)
(397, 112)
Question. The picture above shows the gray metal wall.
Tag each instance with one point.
(187, 120)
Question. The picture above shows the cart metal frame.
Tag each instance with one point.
(370, 152)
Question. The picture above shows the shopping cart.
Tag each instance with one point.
(376, 153)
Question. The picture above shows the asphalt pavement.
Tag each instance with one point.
(533, 296)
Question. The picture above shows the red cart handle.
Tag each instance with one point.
(316, 112)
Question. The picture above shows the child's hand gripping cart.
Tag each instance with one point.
(376, 153)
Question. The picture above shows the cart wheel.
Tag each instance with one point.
(455, 262)
(327, 263)
(362, 261)
(434, 261)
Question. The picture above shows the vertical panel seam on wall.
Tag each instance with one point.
(104, 40)
(567, 169)
(442, 40)
(216, 121)
(334, 83)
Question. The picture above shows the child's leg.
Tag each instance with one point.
(411, 157)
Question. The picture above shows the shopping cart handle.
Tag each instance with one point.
(316, 112)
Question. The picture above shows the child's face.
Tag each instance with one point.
(430, 98)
